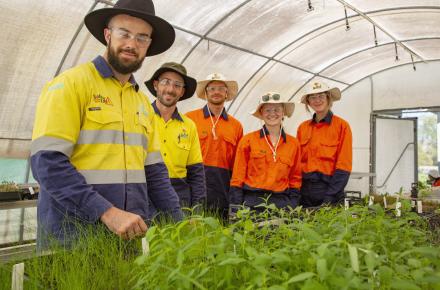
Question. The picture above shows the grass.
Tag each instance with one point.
(361, 248)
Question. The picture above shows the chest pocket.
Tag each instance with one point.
(101, 132)
(257, 163)
(328, 150)
(182, 141)
(304, 143)
(144, 123)
(103, 117)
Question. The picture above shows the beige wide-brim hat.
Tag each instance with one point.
(231, 85)
(274, 98)
(433, 173)
(320, 87)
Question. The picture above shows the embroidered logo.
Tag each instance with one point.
(142, 110)
(316, 86)
(56, 87)
(100, 99)
(182, 135)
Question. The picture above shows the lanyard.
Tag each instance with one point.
(273, 149)
(214, 123)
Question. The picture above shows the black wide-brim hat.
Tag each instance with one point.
(163, 33)
(190, 83)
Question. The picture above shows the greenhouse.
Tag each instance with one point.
(382, 58)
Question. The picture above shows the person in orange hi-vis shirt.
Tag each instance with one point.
(434, 177)
(219, 134)
(326, 146)
(267, 165)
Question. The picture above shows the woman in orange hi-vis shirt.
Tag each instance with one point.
(326, 146)
(267, 162)
(434, 177)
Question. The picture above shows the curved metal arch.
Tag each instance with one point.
(357, 52)
(389, 68)
(247, 51)
(212, 28)
(354, 16)
(78, 30)
(317, 29)
(366, 17)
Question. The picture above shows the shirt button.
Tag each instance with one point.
(164, 141)
(164, 154)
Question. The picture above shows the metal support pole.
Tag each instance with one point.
(438, 141)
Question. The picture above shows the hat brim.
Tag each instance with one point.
(231, 85)
(335, 94)
(96, 21)
(289, 108)
(190, 83)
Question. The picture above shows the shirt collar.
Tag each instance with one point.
(327, 119)
(105, 70)
(206, 113)
(264, 130)
(175, 114)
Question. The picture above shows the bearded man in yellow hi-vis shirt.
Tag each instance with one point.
(95, 151)
(180, 144)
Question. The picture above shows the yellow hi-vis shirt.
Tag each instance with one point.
(104, 127)
(180, 145)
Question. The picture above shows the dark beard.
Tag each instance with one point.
(119, 66)
(162, 101)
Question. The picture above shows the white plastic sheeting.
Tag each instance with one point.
(278, 45)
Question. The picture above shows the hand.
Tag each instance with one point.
(125, 224)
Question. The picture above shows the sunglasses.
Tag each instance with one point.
(275, 97)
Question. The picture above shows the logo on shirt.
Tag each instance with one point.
(142, 110)
(182, 135)
(100, 99)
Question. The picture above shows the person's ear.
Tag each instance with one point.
(107, 33)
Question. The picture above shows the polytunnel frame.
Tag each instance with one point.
(344, 4)
(374, 113)
(272, 58)
(363, 15)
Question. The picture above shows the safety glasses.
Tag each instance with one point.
(275, 97)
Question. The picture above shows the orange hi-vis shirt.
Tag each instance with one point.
(219, 151)
(325, 146)
(255, 167)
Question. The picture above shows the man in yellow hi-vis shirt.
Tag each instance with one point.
(94, 149)
(180, 144)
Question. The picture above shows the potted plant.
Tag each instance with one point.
(9, 191)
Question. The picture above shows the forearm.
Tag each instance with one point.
(338, 182)
(161, 191)
(59, 178)
(196, 180)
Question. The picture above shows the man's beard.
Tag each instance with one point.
(118, 65)
(218, 101)
(168, 105)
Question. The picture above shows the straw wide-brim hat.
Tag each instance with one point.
(231, 85)
(320, 87)
(163, 33)
(289, 107)
(190, 83)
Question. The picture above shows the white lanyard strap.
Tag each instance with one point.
(273, 149)
(213, 123)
